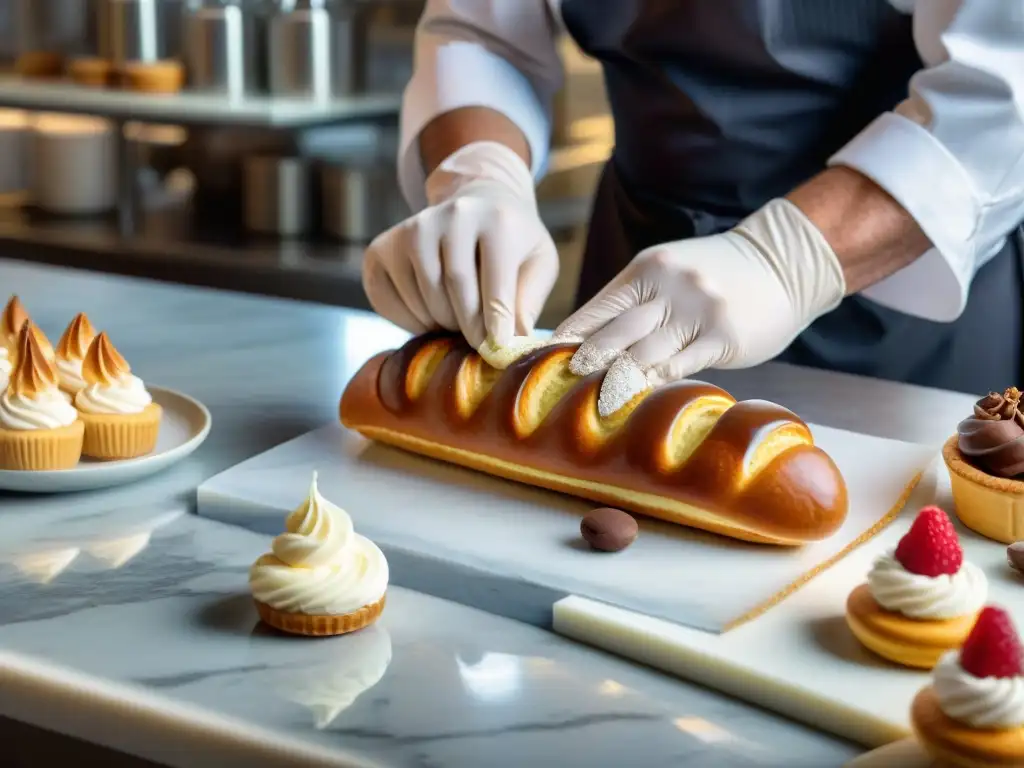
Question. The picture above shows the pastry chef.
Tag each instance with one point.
(833, 183)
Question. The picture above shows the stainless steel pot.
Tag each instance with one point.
(358, 200)
(278, 196)
(315, 51)
(223, 48)
(139, 30)
(54, 26)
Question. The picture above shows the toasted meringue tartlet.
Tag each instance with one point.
(121, 419)
(71, 350)
(39, 428)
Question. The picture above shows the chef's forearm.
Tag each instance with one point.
(871, 233)
(453, 130)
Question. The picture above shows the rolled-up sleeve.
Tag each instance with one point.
(499, 54)
(952, 153)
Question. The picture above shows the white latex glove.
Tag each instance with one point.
(478, 259)
(727, 301)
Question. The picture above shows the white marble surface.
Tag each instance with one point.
(158, 657)
(134, 629)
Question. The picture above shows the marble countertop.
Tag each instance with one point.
(125, 620)
(134, 629)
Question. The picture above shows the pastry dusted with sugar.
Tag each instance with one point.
(687, 453)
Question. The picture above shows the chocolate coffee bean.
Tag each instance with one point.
(1015, 555)
(609, 530)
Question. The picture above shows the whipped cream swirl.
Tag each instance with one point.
(125, 395)
(6, 366)
(926, 597)
(49, 409)
(978, 702)
(70, 373)
(320, 565)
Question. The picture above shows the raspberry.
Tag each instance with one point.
(993, 648)
(931, 546)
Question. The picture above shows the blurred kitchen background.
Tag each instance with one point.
(240, 144)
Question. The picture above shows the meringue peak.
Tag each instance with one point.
(34, 372)
(102, 363)
(74, 343)
(13, 318)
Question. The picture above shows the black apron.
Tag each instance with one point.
(722, 105)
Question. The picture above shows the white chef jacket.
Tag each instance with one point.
(952, 153)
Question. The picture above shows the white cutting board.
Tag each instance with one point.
(799, 659)
(515, 550)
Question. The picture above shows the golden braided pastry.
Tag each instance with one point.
(687, 453)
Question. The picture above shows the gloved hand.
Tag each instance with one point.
(478, 259)
(727, 301)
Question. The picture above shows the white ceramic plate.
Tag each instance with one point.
(185, 425)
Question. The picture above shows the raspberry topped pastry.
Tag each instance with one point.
(921, 599)
(972, 715)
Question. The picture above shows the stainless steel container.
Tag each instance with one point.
(15, 142)
(300, 51)
(314, 51)
(138, 30)
(358, 200)
(73, 164)
(53, 26)
(222, 50)
(278, 196)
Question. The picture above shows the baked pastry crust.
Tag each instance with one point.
(687, 453)
(956, 744)
(917, 643)
(989, 505)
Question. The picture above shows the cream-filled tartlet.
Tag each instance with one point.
(921, 599)
(972, 715)
(121, 420)
(39, 428)
(71, 351)
(320, 577)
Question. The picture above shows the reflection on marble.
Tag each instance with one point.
(45, 565)
(326, 676)
(431, 684)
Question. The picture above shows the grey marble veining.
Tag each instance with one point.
(156, 598)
